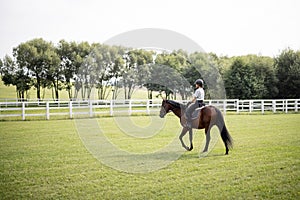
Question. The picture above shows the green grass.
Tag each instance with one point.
(7, 92)
(47, 160)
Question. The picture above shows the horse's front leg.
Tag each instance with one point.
(183, 132)
(191, 139)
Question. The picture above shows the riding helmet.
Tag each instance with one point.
(199, 82)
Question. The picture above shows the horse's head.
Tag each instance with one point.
(165, 108)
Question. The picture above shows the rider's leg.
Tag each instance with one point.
(200, 103)
(189, 112)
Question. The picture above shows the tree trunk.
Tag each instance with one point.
(38, 88)
(56, 95)
(18, 95)
(69, 90)
(125, 91)
(83, 91)
(149, 94)
(89, 90)
(56, 90)
(52, 93)
(69, 93)
(38, 93)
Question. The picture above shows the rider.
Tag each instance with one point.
(197, 102)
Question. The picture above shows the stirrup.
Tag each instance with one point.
(188, 124)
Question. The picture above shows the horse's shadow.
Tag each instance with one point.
(200, 155)
(166, 156)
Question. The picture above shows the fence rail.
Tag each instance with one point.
(92, 108)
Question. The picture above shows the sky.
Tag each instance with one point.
(225, 27)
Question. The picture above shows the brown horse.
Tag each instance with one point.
(205, 118)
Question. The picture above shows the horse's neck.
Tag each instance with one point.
(177, 112)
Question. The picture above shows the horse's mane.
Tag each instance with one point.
(176, 104)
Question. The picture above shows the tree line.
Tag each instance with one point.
(81, 67)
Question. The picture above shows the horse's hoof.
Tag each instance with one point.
(190, 149)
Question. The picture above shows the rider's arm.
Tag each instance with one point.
(195, 95)
(194, 99)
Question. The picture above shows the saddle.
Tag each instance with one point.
(195, 113)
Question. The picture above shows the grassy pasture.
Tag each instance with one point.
(47, 160)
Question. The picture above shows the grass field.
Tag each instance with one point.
(47, 160)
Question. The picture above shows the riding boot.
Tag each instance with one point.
(188, 114)
(189, 123)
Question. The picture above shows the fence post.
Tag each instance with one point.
(130, 107)
(23, 110)
(47, 111)
(296, 105)
(286, 106)
(224, 106)
(241, 106)
(91, 108)
(70, 110)
(148, 110)
(111, 111)
(262, 107)
(250, 106)
(237, 106)
(209, 102)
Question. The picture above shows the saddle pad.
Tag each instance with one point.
(195, 114)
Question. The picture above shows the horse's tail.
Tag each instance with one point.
(227, 139)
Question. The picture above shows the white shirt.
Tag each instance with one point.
(199, 94)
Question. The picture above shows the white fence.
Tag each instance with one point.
(92, 108)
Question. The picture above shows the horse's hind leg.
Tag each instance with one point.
(207, 133)
(227, 150)
(191, 139)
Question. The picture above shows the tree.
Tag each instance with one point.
(136, 70)
(101, 61)
(12, 74)
(54, 72)
(100, 69)
(1, 65)
(175, 64)
(265, 76)
(251, 77)
(287, 66)
(68, 56)
(86, 77)
(109, 69)
(39, 58)
(239, 80)
(205, 66)
(222, 62)
(81, 52)
(117, 69)
(165, 79)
